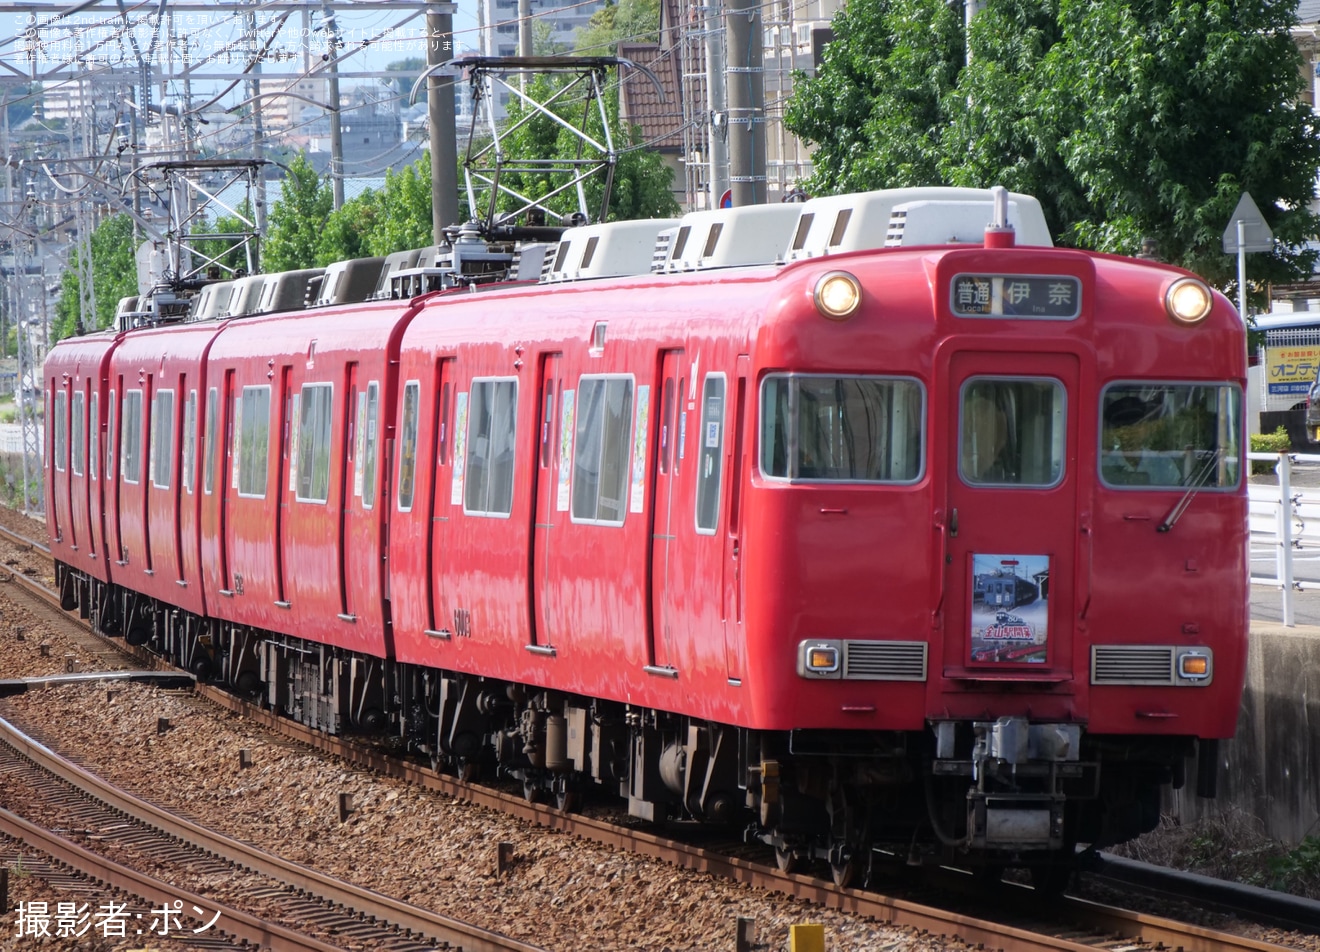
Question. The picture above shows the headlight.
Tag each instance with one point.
(820, 659)
(838, 295)
(1188, 301)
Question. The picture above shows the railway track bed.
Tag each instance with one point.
(453, 855)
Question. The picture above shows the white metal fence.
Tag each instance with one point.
(1291, 530)
(11, 438)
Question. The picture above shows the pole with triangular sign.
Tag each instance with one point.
(1246, 232)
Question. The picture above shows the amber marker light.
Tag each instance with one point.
(1188, 301)
(1193, 666)
(838, 295)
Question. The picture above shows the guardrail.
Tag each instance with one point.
(1292, 526)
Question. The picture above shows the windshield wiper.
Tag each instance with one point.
(1201, 477)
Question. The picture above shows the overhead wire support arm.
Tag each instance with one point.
(486, 165)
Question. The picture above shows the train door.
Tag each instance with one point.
(441, 505)
(1012, 523)
(96, 528)
(734, 644)
(664, 482)
(78, 467)
(551, 468)
(226, 428)
(147, 417)
(59, 459)
(345, 464)
(283, 485)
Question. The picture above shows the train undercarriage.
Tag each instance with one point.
(986, 795)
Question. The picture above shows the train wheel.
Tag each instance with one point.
(844, 873)
(201, 669)
(468, 771)
(787, 860)
(568, 800)
(533, 792)
(138, 634)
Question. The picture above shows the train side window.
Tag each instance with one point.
(491, 441)
(1011, 432)
(189, 440)
(61, 433)
(315, 426)
(253, 441)
(162, 438)
(110, 432)
(710, 459)
(368, 456)
(816, 427)
(446, 393)
(78, 434)
(212, 411)
(408, 445)
(1163, 435)
(130, 437)
(94, 441)
(602, 449)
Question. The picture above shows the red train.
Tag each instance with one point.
(852, 523)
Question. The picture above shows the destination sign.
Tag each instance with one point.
(1055, 297)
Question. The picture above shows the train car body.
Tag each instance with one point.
(842, 544)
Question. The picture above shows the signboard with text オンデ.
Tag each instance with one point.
(1290, 369)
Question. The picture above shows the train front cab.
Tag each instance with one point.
(986, 625)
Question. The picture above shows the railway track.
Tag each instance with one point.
(120, 822)
(1015, 926)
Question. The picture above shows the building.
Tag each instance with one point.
(555, 25)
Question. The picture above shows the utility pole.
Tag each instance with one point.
(336, 131)
(716, 112)
(524, 30)
(970, 9)
(258, 127)
(440, 119)
(746, 77)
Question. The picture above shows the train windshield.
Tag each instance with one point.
(1171, 435)
(842, 428)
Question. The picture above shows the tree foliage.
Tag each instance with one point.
(296, 219)
(627, 21)
(114, 276)
(1127, 120)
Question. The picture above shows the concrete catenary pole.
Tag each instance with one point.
(336, 130)
(716, 111)
(746, 79)
(440, 117)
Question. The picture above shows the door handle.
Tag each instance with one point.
(953, 523)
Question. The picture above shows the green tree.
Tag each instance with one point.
(404, 220)
(627, 21)
(1125, 119)
(297, 219)
(348, 230)
(114, 276)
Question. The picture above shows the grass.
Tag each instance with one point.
(1232, 847)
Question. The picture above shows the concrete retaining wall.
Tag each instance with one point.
(1271, 769)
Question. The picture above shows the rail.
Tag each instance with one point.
(1290, 520)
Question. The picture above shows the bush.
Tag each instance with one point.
(1276, 442)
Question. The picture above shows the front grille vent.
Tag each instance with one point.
(1132, 664)
(884, 660)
